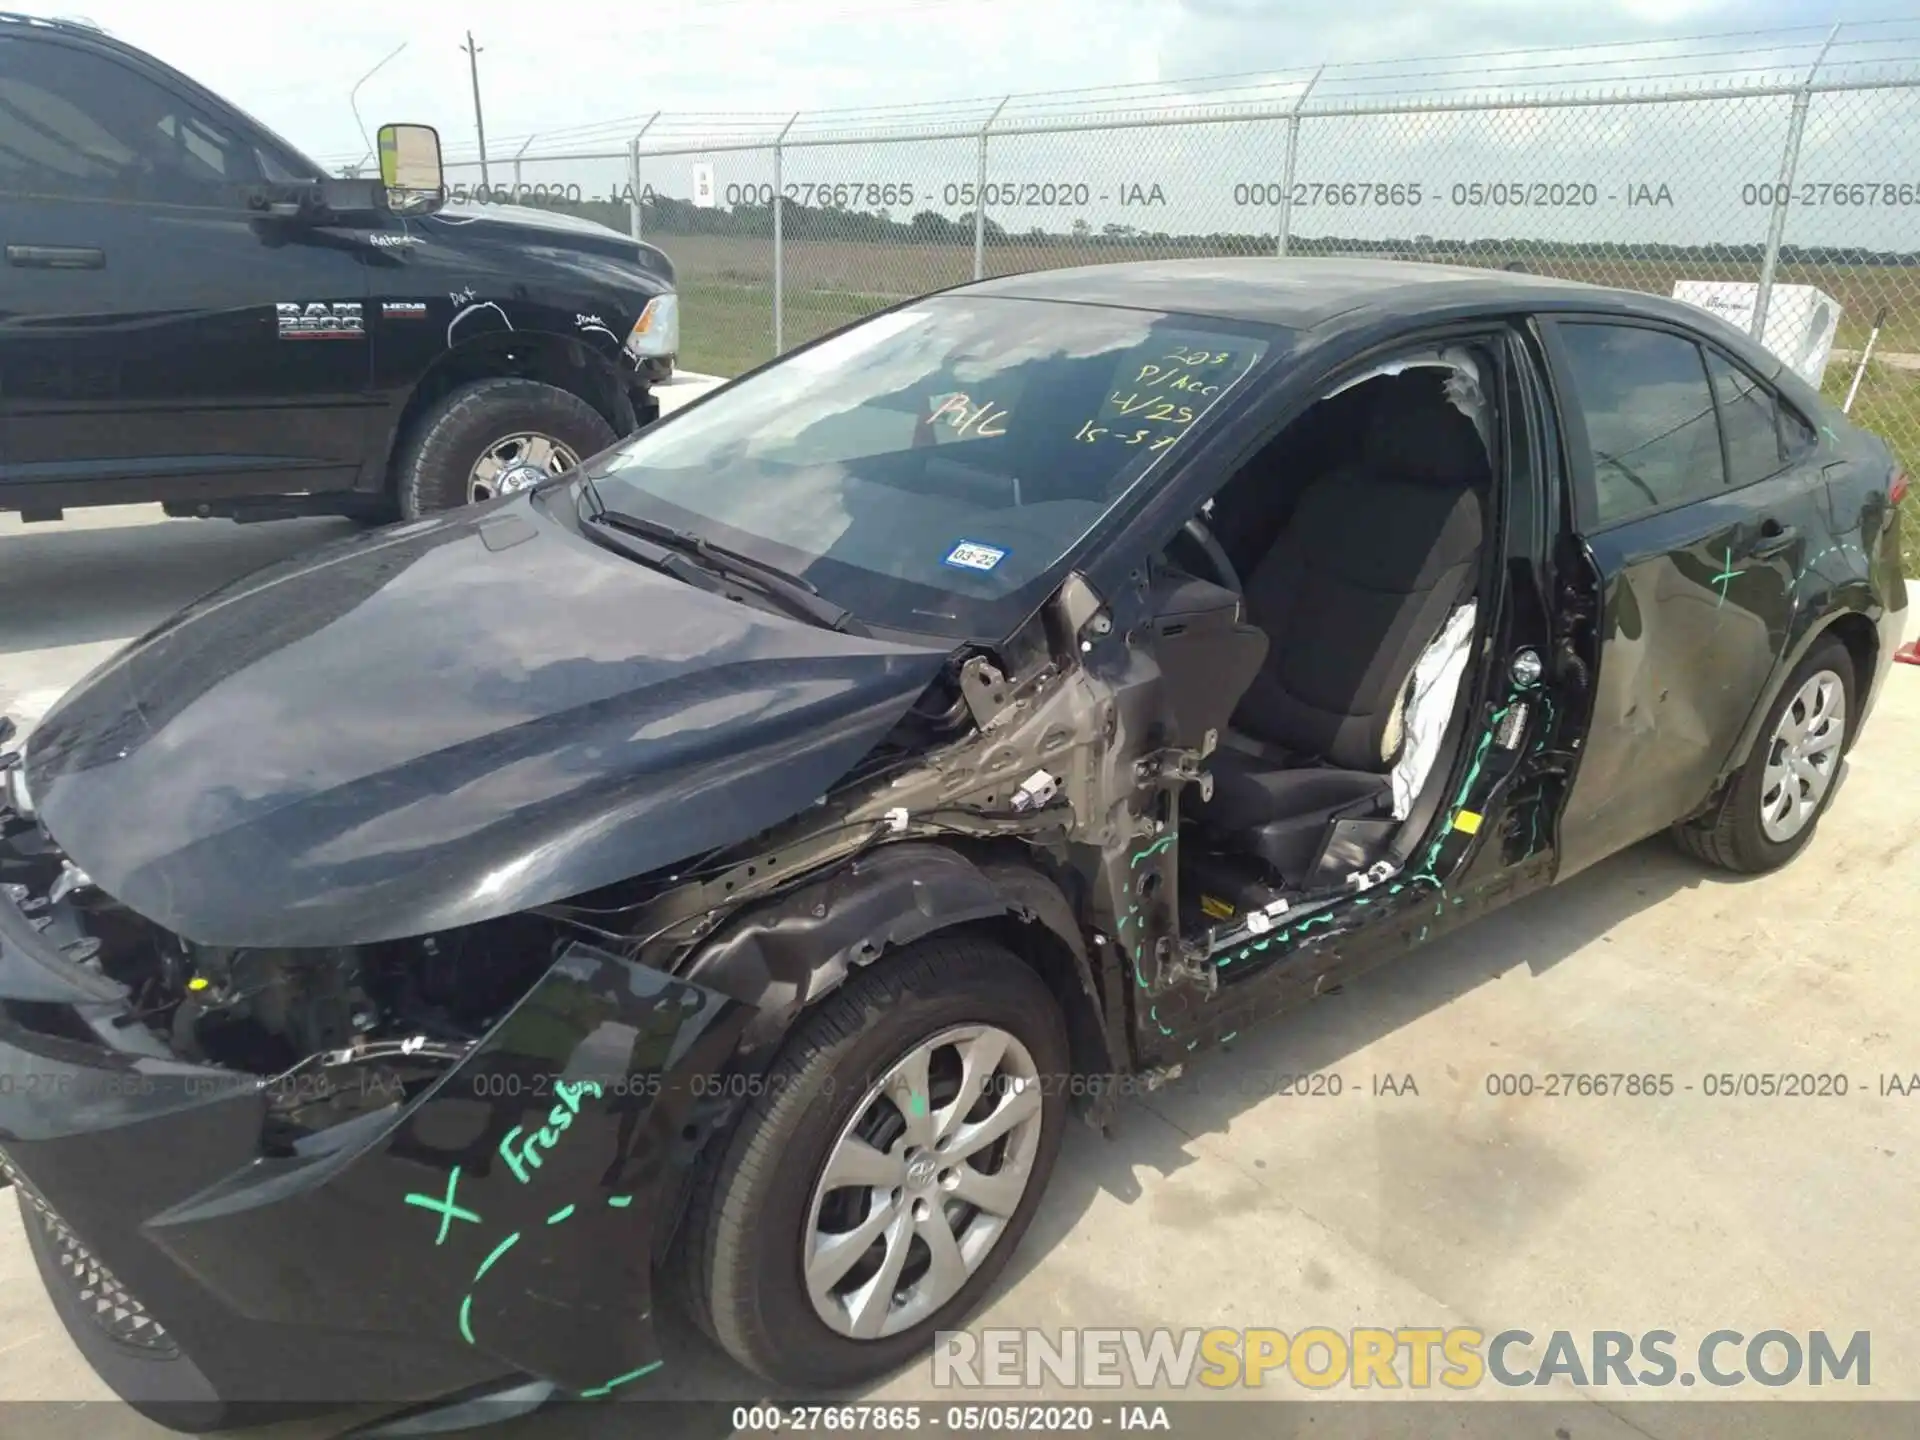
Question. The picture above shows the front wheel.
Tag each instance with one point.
(491, 438)
(1771, 806)
(895, 1157)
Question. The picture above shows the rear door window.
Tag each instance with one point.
(78, 125)
(1649, 415)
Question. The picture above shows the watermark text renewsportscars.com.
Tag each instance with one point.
(1319, 1358)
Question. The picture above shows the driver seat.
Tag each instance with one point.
(1377, 554)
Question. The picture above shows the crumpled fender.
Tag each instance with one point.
(785, 955)
(501, 1223)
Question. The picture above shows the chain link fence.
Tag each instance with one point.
(1772, 177)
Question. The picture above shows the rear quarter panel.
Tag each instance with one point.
(1851, 582)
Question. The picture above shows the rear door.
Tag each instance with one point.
(1693, 492)
(142, 352)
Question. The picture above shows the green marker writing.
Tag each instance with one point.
(446, 1209)
(522, 1158)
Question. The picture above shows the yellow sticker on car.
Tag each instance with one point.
(1467, 822)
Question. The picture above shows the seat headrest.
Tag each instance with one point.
(1414, 434)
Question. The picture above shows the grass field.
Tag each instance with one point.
(726, 286)
(728, 329)
(1889, 405)
(855, 267)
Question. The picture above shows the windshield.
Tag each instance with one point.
(933, 468)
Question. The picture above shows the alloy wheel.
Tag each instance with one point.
(516, 462)
(922, 1182)
(1803, 756)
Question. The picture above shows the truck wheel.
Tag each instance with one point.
(885, 1172)
(493, 437)
(1770, 808)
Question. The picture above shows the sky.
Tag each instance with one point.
(562, 64)
(572, 74)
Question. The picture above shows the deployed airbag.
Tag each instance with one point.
(1432, 693)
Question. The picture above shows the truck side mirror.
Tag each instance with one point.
(410, 169)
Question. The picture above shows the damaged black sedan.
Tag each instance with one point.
(700, 888)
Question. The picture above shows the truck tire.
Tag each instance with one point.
(519, 426)
(1775, 800)
(756, 1255)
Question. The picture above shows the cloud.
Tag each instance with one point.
(568, 65)
(590, 69)
(1230, 36)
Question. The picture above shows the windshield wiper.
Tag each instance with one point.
(800, 596)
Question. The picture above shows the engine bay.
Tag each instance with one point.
(330, 1034)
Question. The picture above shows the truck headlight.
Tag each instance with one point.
(657, 331)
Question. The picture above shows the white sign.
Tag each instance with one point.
(1801, 320)
(703, 195)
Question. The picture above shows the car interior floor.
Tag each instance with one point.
(1362, 536)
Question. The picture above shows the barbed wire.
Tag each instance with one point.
(1853, 51)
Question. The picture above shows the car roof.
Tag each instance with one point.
(1302, 293)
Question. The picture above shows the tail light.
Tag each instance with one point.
(1897, 487)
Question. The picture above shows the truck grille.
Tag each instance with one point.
(107, 1303)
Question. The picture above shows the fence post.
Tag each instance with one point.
(980, 197)
(516, 167)
(1789, 162)
(779, 246)
(633, 176)
(1286, 173)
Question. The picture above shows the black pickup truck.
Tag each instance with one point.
(193, 312)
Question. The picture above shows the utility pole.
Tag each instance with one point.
(473, 65)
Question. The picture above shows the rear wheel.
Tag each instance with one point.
(898, 1153)
(491, 438)
(1774, 801)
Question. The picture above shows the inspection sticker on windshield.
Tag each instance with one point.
(972, 555)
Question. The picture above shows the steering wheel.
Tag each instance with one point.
(1196, 530)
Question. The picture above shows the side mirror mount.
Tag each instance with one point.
(411, 172)
(331, 201)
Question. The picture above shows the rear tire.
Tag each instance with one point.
(751, 1242)
(1770, 811)
(436, 467)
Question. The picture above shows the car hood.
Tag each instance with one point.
(527, 223)
(444, 722)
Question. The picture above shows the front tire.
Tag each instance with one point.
(883, 1178)
(492, 437)
(1775, 800)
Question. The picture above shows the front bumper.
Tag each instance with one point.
(499, 1225)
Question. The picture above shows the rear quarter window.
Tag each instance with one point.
(1750, 418)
